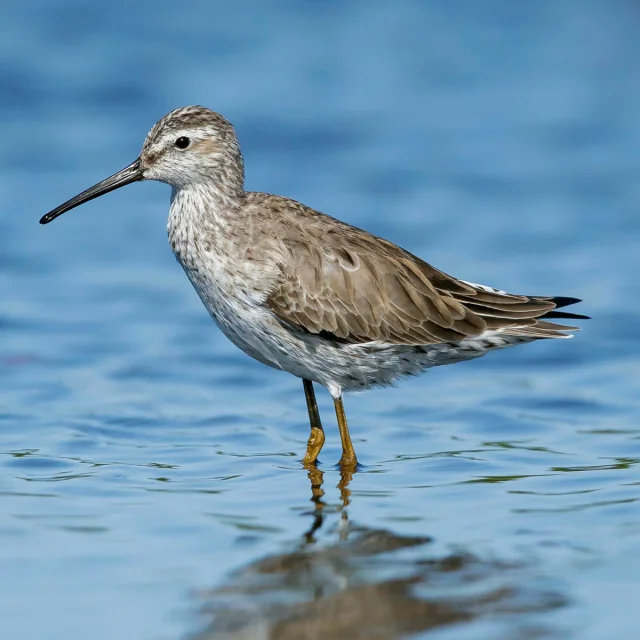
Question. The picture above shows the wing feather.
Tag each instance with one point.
(348, 285)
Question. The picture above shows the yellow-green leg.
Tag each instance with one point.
(348, 458)
(316, 439)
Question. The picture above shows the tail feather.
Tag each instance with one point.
(563, 301)
(518, 316)
(544, 329)
(564, 314)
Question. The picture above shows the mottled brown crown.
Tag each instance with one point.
(192, 117)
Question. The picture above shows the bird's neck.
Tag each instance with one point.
(206, 205)
(203, 216)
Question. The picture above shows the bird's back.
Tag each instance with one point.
(345, 284)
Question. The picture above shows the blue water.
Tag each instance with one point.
(150, 479)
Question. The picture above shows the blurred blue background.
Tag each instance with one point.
(149, 472)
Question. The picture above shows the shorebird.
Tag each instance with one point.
(304, 292)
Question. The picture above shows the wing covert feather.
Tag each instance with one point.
(343, 283)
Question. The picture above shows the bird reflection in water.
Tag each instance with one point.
(371, 583)
(316, 477)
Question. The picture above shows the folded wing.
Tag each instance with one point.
(357, 288)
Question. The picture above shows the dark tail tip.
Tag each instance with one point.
(565, 301)
(563, 314)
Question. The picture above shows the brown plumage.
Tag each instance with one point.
(306, 293)
(345, 284)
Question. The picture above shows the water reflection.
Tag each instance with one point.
(366, 583)
(316, 477)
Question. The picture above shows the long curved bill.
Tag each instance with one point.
(131, 173)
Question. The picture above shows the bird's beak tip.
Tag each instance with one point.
(131, 173)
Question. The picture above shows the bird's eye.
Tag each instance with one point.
(182, 142)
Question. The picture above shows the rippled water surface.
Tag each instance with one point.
(150, 476)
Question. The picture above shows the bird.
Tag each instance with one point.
(303, 292)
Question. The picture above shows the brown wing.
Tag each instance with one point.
(353, 287)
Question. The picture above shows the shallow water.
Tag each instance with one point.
(149, 472)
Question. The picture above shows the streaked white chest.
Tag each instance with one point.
(225, 278)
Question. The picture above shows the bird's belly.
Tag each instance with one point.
(238, 320)
(256, 331)
(339, 367)
(358, 367)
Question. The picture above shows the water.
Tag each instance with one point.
(150, 477)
